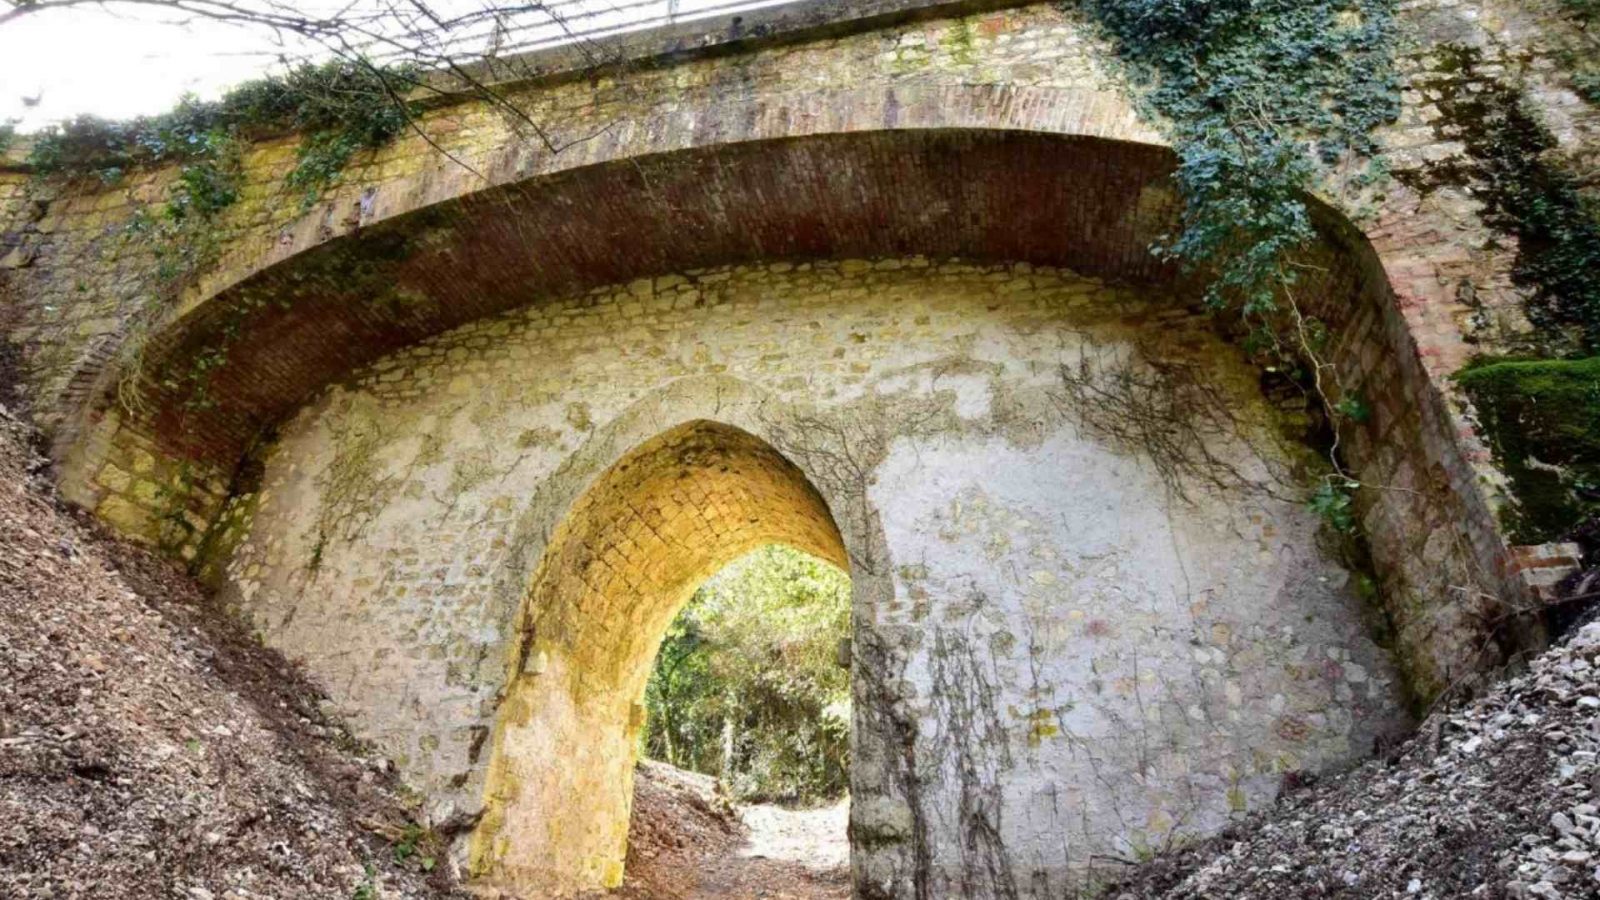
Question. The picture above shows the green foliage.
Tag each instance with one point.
(1583, 65)
(1542, 419)
(419, 843)
(1333, 502)
(1261, 98)
(1585, 11)
(1525, 194)
(1354, 408)
(340, 107)
(750, 666)
(1586, 79)
(1258, 97)
(368, 888)
(8, 134)
(208, 184)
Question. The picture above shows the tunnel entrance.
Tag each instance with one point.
(743, 782)
(616, 571)
(751, 684)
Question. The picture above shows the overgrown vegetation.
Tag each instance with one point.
(1538, 411)
(1584, 66)
(338, 107)
(1262, 100)
(1586, 11)
(747, 685)
(1543, 420)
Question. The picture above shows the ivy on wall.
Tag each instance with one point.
(338, 107)
(1584, 66)
(1262, 99)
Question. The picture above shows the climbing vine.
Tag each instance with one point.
(1263, 100)
(339, 108)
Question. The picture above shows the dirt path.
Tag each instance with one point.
(686, 842)
(786, 855)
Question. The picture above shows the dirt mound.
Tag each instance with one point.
(1495, 800)
(148, 748)
(679, 820)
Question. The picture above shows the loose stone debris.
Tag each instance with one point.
(1494, 800)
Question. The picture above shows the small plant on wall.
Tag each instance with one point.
(338, 109)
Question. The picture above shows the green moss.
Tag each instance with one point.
(1526, 196)
(1542, 419)
(958, 43)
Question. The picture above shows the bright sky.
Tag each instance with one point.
(121, 60)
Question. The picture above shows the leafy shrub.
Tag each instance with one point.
(340, 107)
(1257, 97)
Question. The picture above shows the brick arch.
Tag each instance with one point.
(368, 230)
(620, 564)
(1091, 204)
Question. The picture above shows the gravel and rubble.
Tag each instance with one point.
(151, 749)
(1497, 799)
(686, 841)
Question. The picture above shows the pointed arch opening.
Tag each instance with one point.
(621, 564)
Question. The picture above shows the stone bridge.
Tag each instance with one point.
(870, 279)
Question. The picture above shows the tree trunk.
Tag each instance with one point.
(727, 745)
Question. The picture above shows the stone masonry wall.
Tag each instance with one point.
(82, 280)
(1079, 644)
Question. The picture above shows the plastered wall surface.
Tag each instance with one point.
(1085, 652)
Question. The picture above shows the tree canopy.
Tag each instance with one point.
(748, 685)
